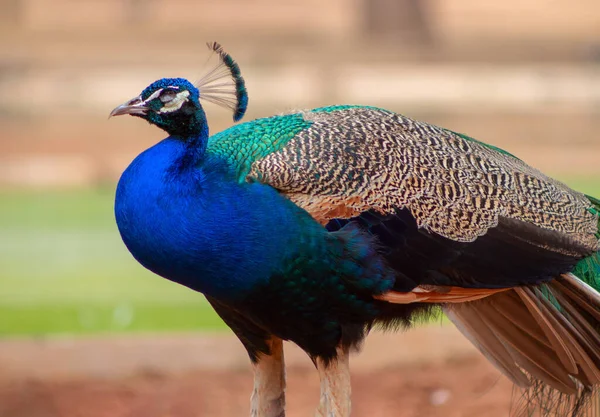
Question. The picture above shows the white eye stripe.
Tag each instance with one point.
(176, 103)
(154, 95)
(159, 91)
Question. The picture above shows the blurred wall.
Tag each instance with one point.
(517, 73)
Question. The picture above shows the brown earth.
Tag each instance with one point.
(465, 388)
(427, 372)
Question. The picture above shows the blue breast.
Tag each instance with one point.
(197, 227)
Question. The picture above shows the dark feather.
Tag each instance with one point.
(425, 258)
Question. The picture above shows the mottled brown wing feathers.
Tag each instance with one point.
(357, 159)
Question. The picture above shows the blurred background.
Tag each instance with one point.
(86, 331)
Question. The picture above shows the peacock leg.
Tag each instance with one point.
(268, 396)
(335, 386)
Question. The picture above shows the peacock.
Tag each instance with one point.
(316, 226)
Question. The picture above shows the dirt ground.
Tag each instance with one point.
(465, 388)
(427, 372)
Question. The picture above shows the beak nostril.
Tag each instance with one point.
(134, 101)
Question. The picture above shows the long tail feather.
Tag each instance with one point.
(488, 343)
(546, 339)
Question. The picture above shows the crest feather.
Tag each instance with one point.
(224, 85)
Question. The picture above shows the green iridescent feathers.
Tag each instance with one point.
(588, 269)
(244, 144)
(595, 209)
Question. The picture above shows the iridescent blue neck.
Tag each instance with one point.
(195, 136)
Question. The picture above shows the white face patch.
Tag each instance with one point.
(176, 103)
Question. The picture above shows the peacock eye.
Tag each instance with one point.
(167, 95)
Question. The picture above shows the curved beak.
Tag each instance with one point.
(136, 106)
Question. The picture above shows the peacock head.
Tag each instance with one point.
(173, 104)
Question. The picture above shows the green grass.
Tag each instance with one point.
(64, 269)
(589, 186)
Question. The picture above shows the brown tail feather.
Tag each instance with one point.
(582, 351)
(552, 351)
(552, 329)
(484, 338)
(540, 358)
